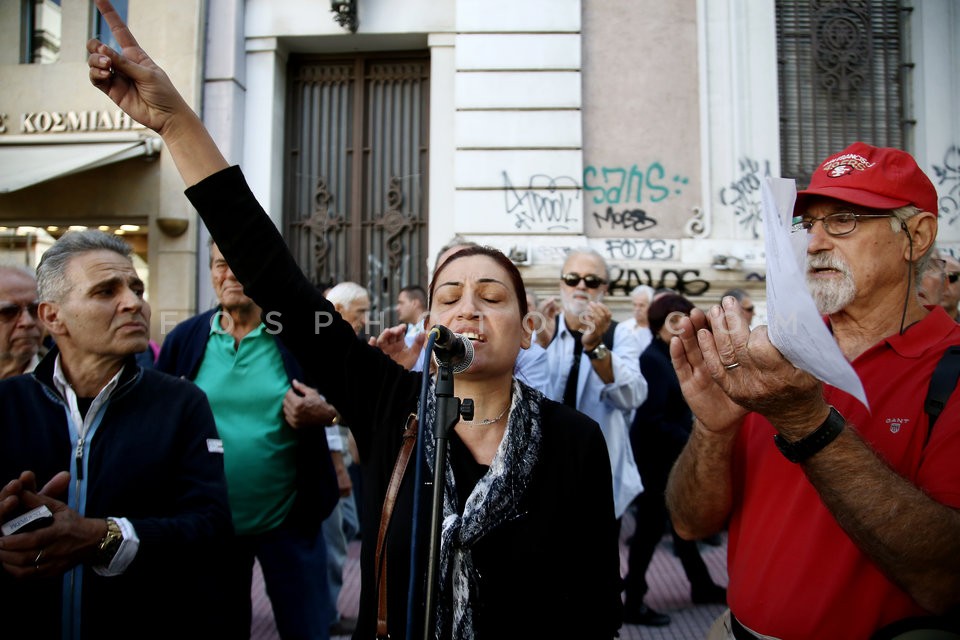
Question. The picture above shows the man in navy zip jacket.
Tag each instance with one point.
(124, 460)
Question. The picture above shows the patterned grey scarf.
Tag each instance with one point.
(492, 502)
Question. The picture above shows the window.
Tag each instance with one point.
(101, 30)
(41, 31)
(843, 76)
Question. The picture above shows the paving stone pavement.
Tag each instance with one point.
(669, 593)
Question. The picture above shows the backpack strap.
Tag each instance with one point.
(942, 384)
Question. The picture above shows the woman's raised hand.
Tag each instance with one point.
(131, 78)
(144, 91)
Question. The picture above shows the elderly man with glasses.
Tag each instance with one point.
(594, 363)
(844, 519)
(20, 332)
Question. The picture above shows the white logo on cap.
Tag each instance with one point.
(845, 164)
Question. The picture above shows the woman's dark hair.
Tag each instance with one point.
(663, 306)
(499, 258)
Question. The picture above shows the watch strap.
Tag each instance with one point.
(806, 447)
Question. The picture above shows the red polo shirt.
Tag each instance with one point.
(794, 573)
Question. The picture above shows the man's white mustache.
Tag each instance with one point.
(822, 261)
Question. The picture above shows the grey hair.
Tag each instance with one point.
(643, 289)
(346, 293)
(589, 251)
(898, 220)
(52, 281)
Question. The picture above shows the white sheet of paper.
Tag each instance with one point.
(795, 326)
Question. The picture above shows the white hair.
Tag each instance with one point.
(588, 251)
(346, 293)
(643, 290)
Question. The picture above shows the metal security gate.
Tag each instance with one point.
(356, 173)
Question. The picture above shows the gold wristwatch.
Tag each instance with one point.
(599, 352)
(109, 544)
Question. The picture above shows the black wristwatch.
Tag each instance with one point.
(803, 449)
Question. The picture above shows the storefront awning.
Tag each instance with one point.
(24, 163)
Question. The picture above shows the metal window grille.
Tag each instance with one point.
(843, 77)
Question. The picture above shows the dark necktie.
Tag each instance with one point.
(570, 391)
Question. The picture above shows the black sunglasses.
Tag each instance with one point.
(10, 311)
(573, 279)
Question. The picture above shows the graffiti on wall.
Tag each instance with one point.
(948, 184)
(743, 195)
(545, 204)
(621, 185)
(627, 220)
(626, 186)
(549, 203)
(684, 281)
(640, 249)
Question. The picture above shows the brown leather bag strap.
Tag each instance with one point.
(399, 468)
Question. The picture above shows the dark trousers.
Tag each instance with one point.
(295, 575)
(656, 453)
(652, 522)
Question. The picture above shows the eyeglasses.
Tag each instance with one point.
(573, 279)
(10, 311)
(837, 224)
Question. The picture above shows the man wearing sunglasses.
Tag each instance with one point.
(20, 333)
(951, 286)
(933, 280)
(584, 372)
(844, 520)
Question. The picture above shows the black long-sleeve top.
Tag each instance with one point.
(553, 572)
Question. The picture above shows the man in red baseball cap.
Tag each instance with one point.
(842, 519)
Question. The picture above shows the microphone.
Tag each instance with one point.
(451, 348)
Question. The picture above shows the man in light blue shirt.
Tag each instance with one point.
(602, 382)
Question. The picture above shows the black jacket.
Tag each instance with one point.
(148, 462)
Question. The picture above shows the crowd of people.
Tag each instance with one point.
(166, 479)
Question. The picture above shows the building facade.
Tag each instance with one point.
(377, 133)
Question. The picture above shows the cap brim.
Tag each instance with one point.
(853, 196)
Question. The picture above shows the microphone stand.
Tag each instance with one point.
(448, 414)
(413, 584)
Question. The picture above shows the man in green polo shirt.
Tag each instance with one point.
(280, 479)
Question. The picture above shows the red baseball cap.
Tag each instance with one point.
(872, 177)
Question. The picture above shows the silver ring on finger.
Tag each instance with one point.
(731, 366)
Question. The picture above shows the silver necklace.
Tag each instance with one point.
(484, 423)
